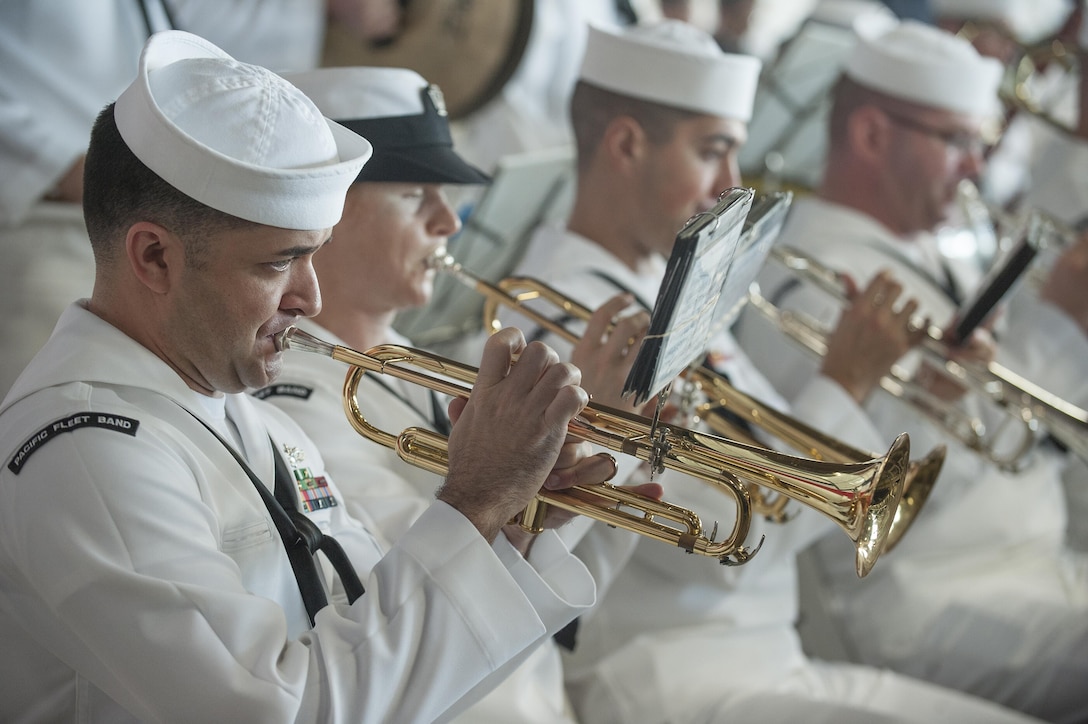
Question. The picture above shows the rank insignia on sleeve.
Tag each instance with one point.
(314, 491)
(71, 423)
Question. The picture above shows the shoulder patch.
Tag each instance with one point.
(284, 390)
(67, 424)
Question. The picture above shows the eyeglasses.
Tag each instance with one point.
(965, 142)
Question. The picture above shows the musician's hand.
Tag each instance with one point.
(979, 349)
(508, 436)
(871, 335)
(607, 350)
(1066, 286)
(575, 466)
(369, 19)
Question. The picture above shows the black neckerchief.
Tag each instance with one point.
(564, 319)
(301, 538)
(947, 285)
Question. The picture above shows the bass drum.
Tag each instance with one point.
(469, 48)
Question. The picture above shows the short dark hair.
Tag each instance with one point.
(847, 96)
(119, 191)
(592, 108)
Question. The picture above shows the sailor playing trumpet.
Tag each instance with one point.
(985, 569)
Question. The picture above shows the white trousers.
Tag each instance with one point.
(1013, 630)
(706, 675)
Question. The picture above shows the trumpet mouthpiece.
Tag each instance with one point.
(283, 340)
(441, 259)
(295, 338)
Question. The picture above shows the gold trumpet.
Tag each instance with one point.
(861, 498)
(920, 475)
(1026, 403)
(1016, 90)
(1052, 232)
(516, 292)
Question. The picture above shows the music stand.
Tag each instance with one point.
(787, 136)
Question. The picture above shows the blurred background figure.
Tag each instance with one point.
(734, 19)
(1021, 35)
(919, 10)
(1060, 185)
(530, 110)
(676, 9)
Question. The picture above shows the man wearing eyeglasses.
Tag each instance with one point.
(982, 596)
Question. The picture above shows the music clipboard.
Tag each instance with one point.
(683, 317)
(1002, 278)
(761, 227)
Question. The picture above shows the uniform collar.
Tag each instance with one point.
(86, 348)
(591, 257)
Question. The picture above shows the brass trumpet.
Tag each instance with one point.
(1052, 235)
(1026, 403)
(920, 475)
(515, 292)
(1016, 90)
(860, 497)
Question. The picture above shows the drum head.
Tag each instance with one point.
(469, 48)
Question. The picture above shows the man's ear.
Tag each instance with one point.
(155, 254)
(625, 142)
(869, 133)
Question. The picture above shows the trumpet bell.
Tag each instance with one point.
(921, 477)
(860, 497)
(874, 518)
(812, 442)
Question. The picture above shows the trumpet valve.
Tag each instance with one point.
(659, 451)
(532, 517)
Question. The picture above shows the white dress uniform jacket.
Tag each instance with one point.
(141, 577)
(374, 481)
(980, 595)
(678, 638)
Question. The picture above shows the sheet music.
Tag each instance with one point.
(789, 117)
(761, 227)
(683, 318)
